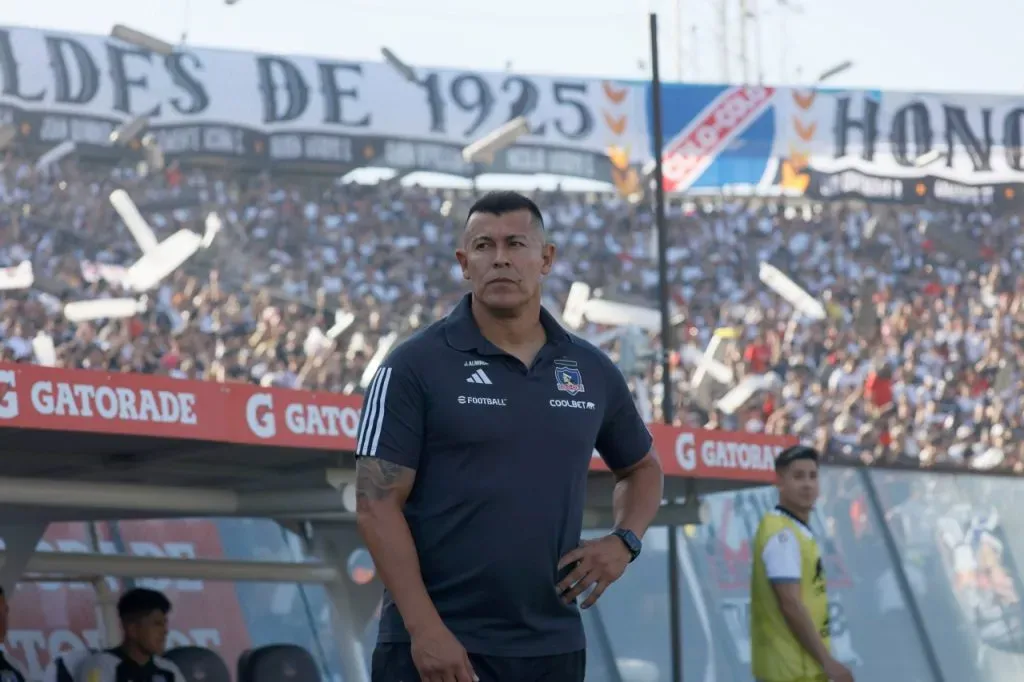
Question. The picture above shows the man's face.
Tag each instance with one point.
(505, 258)
(149, 632)
(798, 485)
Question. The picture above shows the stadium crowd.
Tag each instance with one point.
(919, 362)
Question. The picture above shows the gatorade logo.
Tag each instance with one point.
(724, 454)
(686, 451)
(8, 396)
(259, 415)
(301, 419)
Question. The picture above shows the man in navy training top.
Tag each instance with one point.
(473, 450)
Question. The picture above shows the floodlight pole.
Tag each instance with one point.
(667, 343)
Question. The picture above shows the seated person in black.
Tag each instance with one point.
(143, 615)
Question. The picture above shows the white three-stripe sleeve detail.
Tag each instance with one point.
(361, 431)
(380, 414)
(364, 418)
(375, 418)
(372, 406)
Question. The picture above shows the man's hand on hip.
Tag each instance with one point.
(598, 563)
(439, 657)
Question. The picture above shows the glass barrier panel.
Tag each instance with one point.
(959, 539)
(629, 628)
(871, 629)
(280, 613)
(286, 613)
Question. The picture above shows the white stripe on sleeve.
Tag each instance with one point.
(365, 417)
(372, 419)
(380, 415)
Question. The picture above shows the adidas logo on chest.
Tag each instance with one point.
(479, 377)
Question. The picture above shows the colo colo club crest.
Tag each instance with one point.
(567, 377)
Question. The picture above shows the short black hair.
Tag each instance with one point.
(794, 453)
(139, 602)
(500, 203)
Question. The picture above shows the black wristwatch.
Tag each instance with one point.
(631, 541)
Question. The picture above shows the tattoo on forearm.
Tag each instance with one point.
(376, 479)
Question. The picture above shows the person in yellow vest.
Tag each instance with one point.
(789, 621)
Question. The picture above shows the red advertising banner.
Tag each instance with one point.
(697, 453)
(33, 397)
(44, 398)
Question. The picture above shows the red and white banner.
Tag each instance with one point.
(34, 397)
(45, 398)
(710, 132)
(696, 453)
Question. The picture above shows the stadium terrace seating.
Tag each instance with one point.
(277, 663)
(198, 664)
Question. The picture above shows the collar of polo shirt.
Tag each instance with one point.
(463, 334)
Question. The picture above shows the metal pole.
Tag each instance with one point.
(675, 604)
(87, 565)
(667, 412)
(931, 657)
(114, 528)
(314, 626)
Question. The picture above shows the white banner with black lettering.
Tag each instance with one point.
(305, 110)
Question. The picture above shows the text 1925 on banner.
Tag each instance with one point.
(305, 111)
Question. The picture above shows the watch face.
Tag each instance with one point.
(631, 540)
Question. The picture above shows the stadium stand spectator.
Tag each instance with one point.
(920, 362)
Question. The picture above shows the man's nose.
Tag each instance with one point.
(501, 256)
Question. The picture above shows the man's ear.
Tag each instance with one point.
(548, 254)
(460, 255)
